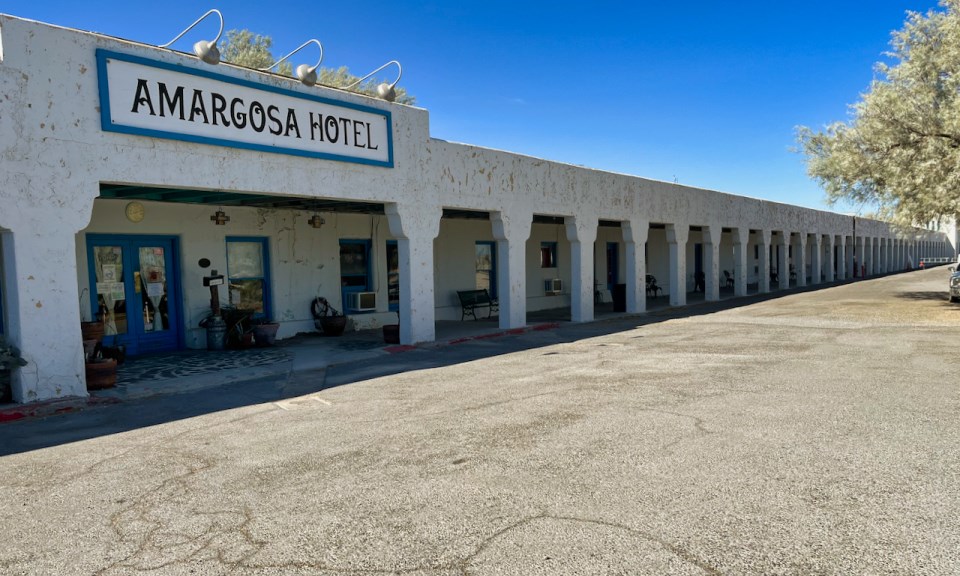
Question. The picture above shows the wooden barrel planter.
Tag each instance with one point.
(6, 389)
(92, 331)
(332, 325)
(391, 333)
(101, 373)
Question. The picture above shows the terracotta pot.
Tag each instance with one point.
(101, 374)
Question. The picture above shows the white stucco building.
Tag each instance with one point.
(115, 157)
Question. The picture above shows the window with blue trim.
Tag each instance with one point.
(354, 270)
(248, 274)
(548, 254)
(393, 275)
(485, 267)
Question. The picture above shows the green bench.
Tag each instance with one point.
(470, 300)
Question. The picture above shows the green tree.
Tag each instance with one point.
(244, 48)
(900, 149)
(340, 77)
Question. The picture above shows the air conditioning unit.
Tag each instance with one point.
(553, 286)
(362, 301)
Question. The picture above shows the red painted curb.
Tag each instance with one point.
(16, 412)
(401, 348)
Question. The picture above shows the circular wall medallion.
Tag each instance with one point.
(134, 211)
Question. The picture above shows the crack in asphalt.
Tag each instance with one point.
(678, 551)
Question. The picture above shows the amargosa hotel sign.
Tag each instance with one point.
(150, 98)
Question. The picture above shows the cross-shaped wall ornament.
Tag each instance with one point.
(220, 218)
(316, 221)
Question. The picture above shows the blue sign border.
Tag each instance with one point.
(107, 124)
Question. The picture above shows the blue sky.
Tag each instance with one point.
(702, 93)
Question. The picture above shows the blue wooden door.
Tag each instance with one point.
(135, 280)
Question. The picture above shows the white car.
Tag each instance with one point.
(954, 285)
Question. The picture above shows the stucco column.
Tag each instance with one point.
(677, 235)
(816, 259)
(635, 234)
(415, 226)
(582, 233)
(828, 272)
(800, 257)
(511, 230)
(711, 261)
(878, 252)
(43, 317)
(885, 255)
(783, 273)
(842, 258)
(881, 263)
(764, 249)
(869, 244)
(741, 240)
(41, 306)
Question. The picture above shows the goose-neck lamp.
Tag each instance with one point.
(206, 50)
(306, 74)
(384, 90)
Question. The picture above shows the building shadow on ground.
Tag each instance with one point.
(87, 420)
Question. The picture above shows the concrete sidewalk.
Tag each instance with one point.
(194, 370)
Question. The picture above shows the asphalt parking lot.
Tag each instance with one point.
(813, 433)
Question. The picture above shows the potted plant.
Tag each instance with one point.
(265, 331)
(10, 359)
(326, 318)
(391, 332)
(100, 372)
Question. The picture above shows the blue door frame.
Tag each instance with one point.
(139, 337)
